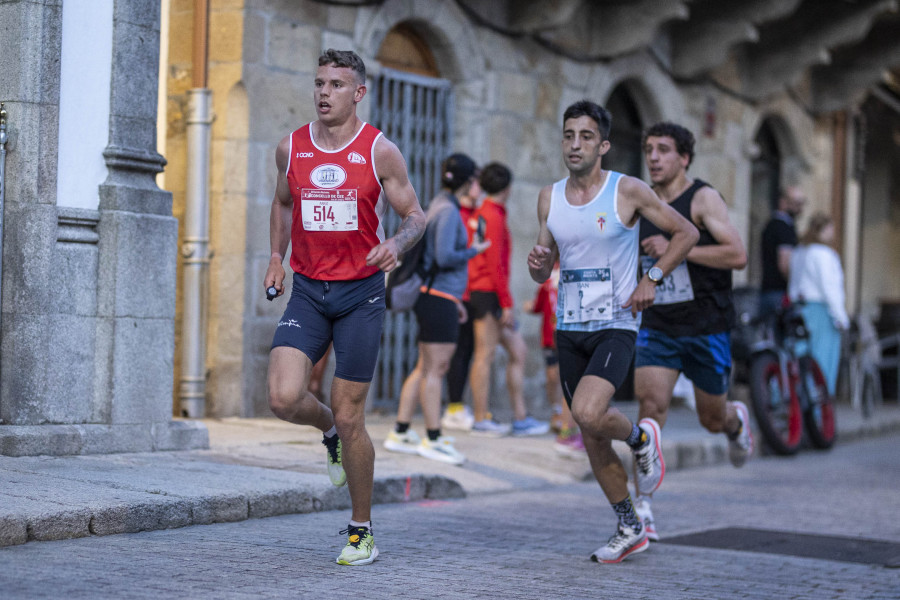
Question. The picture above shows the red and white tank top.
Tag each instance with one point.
(338, 206)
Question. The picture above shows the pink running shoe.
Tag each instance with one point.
(571, 446)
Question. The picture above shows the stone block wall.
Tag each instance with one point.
(509, 99)
(88, 295)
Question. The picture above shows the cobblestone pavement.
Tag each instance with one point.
(517, 544)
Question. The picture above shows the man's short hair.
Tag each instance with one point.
(684, 139)
(586, 108)
(495, 178)
(344, 59)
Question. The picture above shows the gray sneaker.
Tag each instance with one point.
(490, 428)
(530, 426)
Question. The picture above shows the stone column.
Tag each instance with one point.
(88, 295)
(29, 70)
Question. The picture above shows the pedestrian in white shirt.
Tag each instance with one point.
(817, 279)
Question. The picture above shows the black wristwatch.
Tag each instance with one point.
(655, 274)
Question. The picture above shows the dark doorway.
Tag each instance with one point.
(625, 153)
(764, 188)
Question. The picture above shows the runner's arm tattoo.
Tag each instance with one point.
(411, 228)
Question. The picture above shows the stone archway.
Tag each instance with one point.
(415, 103)
(625, 134)
(632, 87)
(449, 34)
(776, 163)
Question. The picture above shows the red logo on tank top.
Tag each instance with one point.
(601, 220)
(356, 157)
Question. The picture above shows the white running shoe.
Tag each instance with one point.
(740, 448)
(649, 459)
(458, 417)
(407, 442)
(642, 508)
(490, 428)
(441, 450)
(621, 545)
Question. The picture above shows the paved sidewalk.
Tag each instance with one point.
(265, 467)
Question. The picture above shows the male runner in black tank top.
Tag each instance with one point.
(687, 330)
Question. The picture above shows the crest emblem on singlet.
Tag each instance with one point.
(356, 158)
(601, 221)
(328, 176)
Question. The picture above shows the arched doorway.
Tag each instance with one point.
(625, 154)
(413, 106)
(764, 190)
(403, 49)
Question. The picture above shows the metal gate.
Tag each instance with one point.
(414, 112)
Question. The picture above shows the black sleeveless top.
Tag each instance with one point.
(712, 309)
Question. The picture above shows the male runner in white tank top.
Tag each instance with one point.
(334, 176)
(589, 221)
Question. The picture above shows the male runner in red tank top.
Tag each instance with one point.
(334, 177)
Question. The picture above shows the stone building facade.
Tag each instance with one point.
(747, 78)
(776, 91)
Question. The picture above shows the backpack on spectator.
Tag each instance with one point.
(405, 282)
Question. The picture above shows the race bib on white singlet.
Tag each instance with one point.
(329, 210)
(675, 287)
(587, 295)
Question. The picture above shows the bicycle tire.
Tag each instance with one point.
(818, 414)
(778, 418)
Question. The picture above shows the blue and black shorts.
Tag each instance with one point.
(349, 313)
(704, 359)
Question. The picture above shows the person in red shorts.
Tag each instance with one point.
(492, 313)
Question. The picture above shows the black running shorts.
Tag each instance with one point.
(483, 304)
(438, 319)
(606, 353)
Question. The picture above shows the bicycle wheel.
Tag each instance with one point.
(778, 416)
(818, 414)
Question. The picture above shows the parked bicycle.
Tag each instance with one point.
(787, 387)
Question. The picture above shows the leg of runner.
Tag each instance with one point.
(653, 388)
(288, 378)
(600, 424)
(348, 400)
